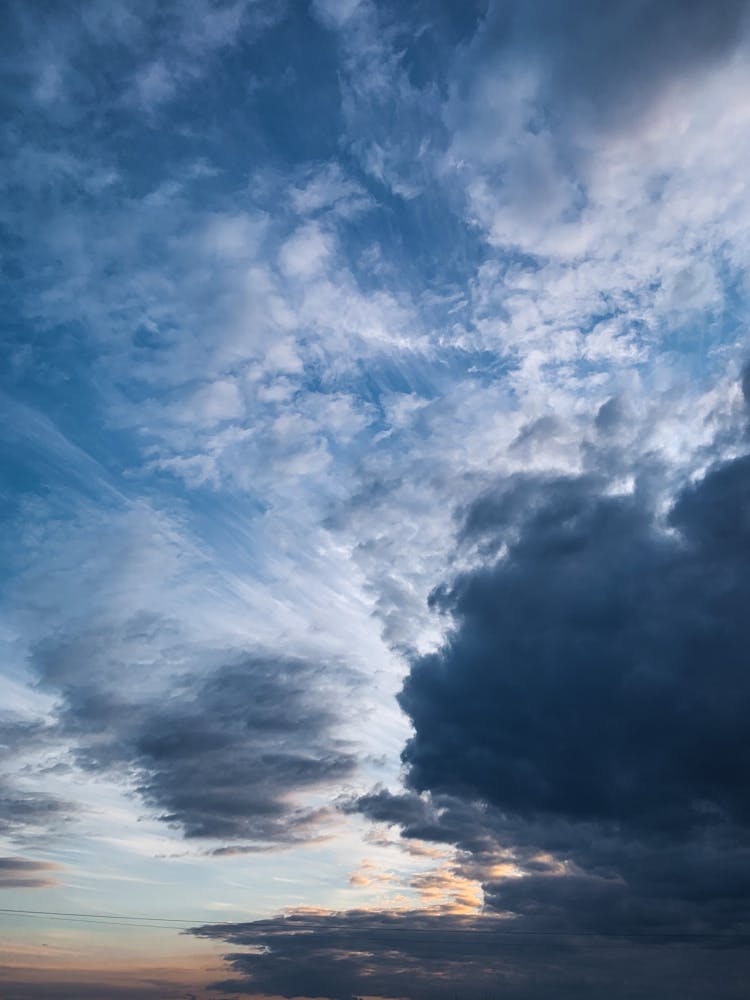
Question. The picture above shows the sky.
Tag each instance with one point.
(375, 491)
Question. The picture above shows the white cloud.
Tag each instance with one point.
(336, 12)
(306, 251)
(329, 188)
(214, 403)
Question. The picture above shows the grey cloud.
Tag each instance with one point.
(18, 733)
(23, 873)
(26, 814)
(417, 954)
(540, 100)
(581, 877)
(745, 382)
(586, 716)
(437, 818)
(597, 672)
(222, 754)
(356, 952)
(697, 888)
(605, 62)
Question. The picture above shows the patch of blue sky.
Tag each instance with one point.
(279, 100)
(703, 337)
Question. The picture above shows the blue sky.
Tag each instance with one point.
(330, 330)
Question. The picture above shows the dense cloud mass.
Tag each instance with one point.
(422, 955)
(598, 670)
(60, 984)
(588, 712)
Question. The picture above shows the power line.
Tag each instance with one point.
(103, 919)
(382, 933)
(96, 916)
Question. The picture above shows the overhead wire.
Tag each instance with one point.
(385, 934)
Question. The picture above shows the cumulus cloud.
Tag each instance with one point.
(584, 717)
(596, 669)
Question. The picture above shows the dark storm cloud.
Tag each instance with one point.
(417, 954)
(437, 818)
(358, 952)
(606, 61)
(219, 755)
(598, 672)
(587, 715)
(586, 721)
(18, 734)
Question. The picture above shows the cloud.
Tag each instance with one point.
(23, 873)
(336, 13)
(157, 52)
(27, 816)
(608, 63)
(612, 231)
(213, 404)
(306, 252)
(323, 954)
(303, 301)
(583, 720)
(596, 669)
(62, 983)
(328, 187)
(415, 954)
(224, 754)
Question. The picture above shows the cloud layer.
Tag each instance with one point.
(412, 954)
